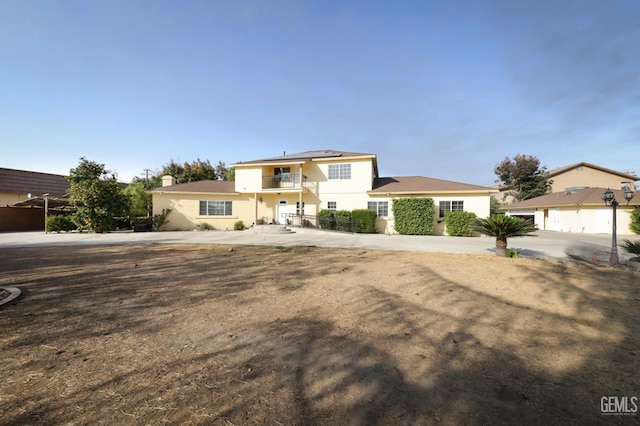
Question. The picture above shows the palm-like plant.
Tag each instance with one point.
(632, 247)
(503, 227)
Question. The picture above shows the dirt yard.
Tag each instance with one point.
(193, 334)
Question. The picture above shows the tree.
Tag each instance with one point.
(634, 225)
(503, 227)
(524, 176)
(139, 199)
(231, 175)
(96, 195)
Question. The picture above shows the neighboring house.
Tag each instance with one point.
(576, 210)
(17, 186)
(576, 176)
(281, 189)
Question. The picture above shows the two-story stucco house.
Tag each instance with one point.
(279, 189)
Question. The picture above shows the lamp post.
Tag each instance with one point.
(610, 200)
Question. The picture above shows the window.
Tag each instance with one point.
(332, 205)
(339, 171)
(298, 212)
(380, 207)
(450, 206)
(215, 208)
(282, 173)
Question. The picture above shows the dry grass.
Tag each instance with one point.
(181, 334)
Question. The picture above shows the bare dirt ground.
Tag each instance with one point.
(198, 334)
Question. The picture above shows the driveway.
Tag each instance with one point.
(546, 244)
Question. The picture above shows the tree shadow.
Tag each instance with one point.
(417, 344)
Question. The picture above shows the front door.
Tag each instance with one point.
(281, 210)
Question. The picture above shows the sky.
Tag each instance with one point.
(444, 89)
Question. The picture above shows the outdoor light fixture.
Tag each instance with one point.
(610, 200)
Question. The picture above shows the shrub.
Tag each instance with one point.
(413, 216)
(343, 220)
(204, 226)
(60, 223)
(326, 219)
(238, 226)
(364, 221)
(631, 247)
(160, 219)
(513, 253)
(459, 223)
(634, 225)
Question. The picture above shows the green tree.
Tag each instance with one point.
(503, 227)
(139, 199)
(231, 175)
(634, 225)
(524, 176)
(96, 195)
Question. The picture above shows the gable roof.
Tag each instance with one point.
(422, 185)
(25, 182)
(201, 186)
(563, 169)
(576, 198)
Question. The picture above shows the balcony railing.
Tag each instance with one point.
(284, 180)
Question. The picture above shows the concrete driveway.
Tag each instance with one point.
(546, 244)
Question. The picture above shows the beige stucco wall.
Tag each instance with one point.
(9, 198)
(476, 203)
(185, 208)
(585, 176)
(587, 220)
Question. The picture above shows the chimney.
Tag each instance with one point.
(168, 180)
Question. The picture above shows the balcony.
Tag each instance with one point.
(284, 181)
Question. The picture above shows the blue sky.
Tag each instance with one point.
(444, 89)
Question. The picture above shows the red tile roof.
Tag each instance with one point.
(25, 182)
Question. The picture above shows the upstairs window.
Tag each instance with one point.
(216, 208)
(380, 207)
(450, 206)
(339, 171)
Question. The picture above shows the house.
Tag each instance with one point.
(577, 210)
(291, 187)
(576, 176)
(27, 188)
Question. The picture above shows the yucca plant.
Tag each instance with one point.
(631, 247)
(503, 227)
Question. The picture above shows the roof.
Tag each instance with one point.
(579, 197)
(36, 183)
(310, 155)
(561, 170)
(421, 184)
(52, 203)
(201, 186)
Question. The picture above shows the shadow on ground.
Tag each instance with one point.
(202, 335)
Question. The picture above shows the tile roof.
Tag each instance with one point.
(563, 169)
(420, 184)
(579, 197)
(201, 186)
(25, 182)
(309, 155)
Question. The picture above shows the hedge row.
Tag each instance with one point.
(459, 223)
(413, 216)
(362, 221)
